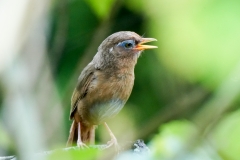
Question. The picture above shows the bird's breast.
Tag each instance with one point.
(102, 111)
(107, 96)
(113, 86)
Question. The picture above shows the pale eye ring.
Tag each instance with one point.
(128, 44)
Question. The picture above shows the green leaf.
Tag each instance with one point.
(86, 154)
(101, 8)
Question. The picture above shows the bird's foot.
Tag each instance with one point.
(82, 145)
(114, 142)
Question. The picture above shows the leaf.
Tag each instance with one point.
(101, 8)
(86, 154)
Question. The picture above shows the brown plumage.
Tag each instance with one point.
(105, 85)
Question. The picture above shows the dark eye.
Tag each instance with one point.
(128, 44)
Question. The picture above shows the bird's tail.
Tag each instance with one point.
(87, 133)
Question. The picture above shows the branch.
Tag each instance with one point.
(138, 147)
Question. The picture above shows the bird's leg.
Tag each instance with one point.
(92, 135)
(113, 140)
(80, 144)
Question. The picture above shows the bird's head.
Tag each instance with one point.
(123, 47)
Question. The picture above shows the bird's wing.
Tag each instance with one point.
(81, 90)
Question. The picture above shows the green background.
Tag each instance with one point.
(185, 97)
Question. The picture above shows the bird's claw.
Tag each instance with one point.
(114, 142)
(82, 145)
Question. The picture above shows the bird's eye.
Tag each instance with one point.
(128, 44)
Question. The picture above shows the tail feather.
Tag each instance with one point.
(72, 133)
(87, 134)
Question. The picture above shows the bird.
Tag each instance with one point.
(104, 86)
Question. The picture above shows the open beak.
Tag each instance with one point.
(140, 45)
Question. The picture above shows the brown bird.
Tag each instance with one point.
(105, 85)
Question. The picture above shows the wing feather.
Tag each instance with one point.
(81, 90)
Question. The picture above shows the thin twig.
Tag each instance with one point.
(183, 104)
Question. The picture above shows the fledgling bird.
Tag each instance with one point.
(105, 85)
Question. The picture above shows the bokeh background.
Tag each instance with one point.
(185, 100)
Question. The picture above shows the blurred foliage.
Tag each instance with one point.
(72, 38)
(198, 38)
(185, 100)
(226, 134)
(5, 140)
(100, 8)
(173, 140)
(89, 154)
